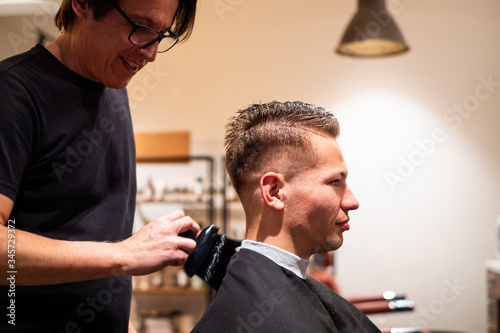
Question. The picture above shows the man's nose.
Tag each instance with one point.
(349, 201)
(150, 52)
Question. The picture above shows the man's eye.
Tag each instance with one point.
(335, 182)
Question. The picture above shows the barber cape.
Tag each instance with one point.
(259, 296)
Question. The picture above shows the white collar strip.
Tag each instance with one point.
(281, 257)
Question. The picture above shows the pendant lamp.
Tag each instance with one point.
(372, 32)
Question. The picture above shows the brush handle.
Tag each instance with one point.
(204, 243)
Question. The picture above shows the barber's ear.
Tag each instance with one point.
(81, 8)
(271, 185)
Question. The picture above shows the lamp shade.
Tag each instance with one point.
(372, 32)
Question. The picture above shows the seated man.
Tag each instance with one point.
(290, 175)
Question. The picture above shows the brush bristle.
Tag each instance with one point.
(213, 268)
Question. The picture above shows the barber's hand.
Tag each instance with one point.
(158, 244)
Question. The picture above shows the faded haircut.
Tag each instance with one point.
(273, 129)
(182, 24)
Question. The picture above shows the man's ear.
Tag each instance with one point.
(81, 8)
(271, 185)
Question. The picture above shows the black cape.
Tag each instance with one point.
(259, 296)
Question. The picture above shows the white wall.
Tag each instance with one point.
(431, 231)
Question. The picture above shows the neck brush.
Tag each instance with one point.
(211, 256)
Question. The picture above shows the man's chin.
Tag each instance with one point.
(330, 246)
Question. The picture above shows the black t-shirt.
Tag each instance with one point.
(67, 159)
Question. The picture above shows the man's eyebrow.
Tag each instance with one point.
(148, 22)
(342, 173)
(339, 173)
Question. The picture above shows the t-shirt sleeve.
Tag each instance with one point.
(18, 131)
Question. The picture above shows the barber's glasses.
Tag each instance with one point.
(144, 36)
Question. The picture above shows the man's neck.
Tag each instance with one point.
(55, 47)
(281, 257)
(62, 48)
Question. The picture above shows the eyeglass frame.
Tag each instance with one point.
(136, 26)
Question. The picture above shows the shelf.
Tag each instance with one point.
(169, 196)
(191, 187)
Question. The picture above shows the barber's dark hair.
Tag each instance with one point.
(272, 127)
(182, 25)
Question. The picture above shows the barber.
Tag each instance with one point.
(67, 169)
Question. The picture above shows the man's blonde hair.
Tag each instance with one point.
(273, 130)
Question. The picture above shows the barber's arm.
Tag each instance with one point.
(131, 328)
(41, 261)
